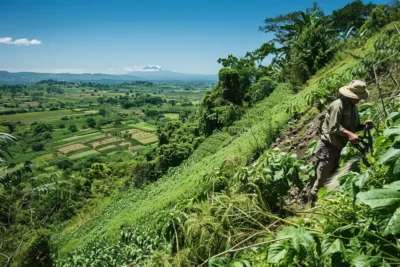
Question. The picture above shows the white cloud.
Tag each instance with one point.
(23, 41)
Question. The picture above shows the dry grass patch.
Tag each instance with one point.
(106, 141)
(68, 148)
(141, 135)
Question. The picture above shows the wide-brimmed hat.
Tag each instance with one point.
(356, 89)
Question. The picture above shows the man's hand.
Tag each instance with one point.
(369, 122)
(353, 138)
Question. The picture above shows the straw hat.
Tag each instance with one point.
(356, 90)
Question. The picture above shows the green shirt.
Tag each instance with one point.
(342, 115)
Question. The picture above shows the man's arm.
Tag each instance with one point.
(335, 126)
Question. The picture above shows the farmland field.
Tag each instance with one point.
(66, 149)
(106, 141)
(144, 126)
(148, 140)
(80, 136)
(107, 147)
(141, 135)
(83, 154)
(37, 116)
(172, 116)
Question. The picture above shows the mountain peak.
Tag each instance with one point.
(152, 68)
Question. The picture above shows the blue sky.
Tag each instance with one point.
(118, 36)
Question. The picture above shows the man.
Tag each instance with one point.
(341, 122)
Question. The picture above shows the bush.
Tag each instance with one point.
(37, 147)
(261, 89)
(72, 128)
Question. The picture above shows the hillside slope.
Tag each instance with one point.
(254, 131)
(264, 120)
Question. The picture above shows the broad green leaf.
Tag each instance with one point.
(396, 140)
(393, 116)
(360, 261)
(382, 143)
(393, 186)
(367, 261)
(393, 224)
(348, 182)
(237, 264)
(392, 131)
(380, 198)
(330, 248)
(218, 262)
(322, 192)
(390, 156)
(362, 179)
(397, 167)
(275, 254)
(385, 204)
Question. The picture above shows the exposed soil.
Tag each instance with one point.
(296, 139)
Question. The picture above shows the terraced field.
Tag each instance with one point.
(148, 140)
(107, 148)
(84, 154)
(143, 126)
(106, 141)
(69, 148)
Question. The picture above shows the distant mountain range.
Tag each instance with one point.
(147, 73)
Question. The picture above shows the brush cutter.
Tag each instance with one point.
(364, 146)
(365, 143)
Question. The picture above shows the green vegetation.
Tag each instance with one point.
(210, 190)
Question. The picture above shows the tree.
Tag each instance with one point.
(229, 83)
(261, 89)
(37, 147)
(151, 113)
(72, 128)
(284, 25)
(103, 112)
(41, 128)
(307, 43)
(91, 123)
(312, 48)
(65, 164)
(353, 14)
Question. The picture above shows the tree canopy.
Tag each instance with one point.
(353, 14)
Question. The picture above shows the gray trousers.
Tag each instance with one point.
(328, 158)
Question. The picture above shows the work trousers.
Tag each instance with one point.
(328, 158)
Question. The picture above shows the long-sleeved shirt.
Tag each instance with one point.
(342, 115)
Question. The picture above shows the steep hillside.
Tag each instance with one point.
(184, 195)
(258, 127)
